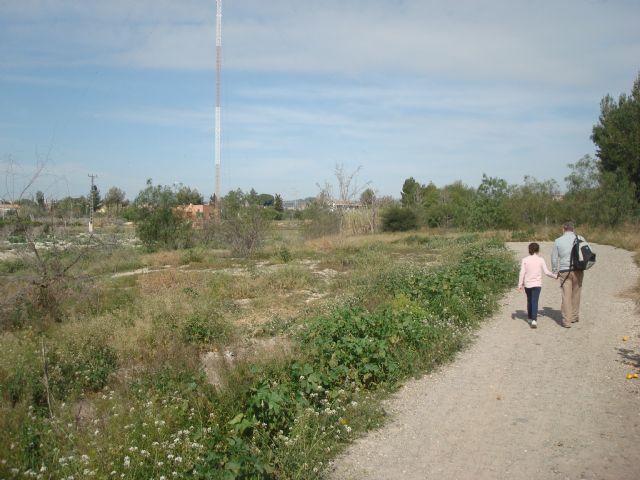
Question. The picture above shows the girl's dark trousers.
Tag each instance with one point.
(533, 294)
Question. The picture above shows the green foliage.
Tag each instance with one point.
(535, 203)
(411, 195)
(73, 366)
(490, 208)
(159, 224)
(599, 197)
(114, 200)
(192, 255)
(284, 254)
(245, 223)
(207, 327)
(71, 207)
(399, 219)
(617, 136)
(95, 198)
(278, 206)
(186, 195)
(11, 266)
(319, 220)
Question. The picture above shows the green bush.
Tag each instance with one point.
(164, 228)
(275, 419)
(206, 328)
(72, 368)
(11, 266)
(399, 219)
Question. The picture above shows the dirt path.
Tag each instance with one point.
(550, 403)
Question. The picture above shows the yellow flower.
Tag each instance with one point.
(630, 376)
(343, 421)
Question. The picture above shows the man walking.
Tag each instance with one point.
(570, 278)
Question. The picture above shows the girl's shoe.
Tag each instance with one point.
(534, 324)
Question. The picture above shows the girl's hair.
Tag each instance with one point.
(533, 248)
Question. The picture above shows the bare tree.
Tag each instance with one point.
(348, 187)
(47, 278)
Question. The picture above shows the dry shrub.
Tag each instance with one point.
(170, 279)
(356, 222)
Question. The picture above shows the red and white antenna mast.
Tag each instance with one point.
(218, 74)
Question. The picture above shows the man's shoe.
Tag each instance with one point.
(575, 321)
(534, 324)
(565, 325)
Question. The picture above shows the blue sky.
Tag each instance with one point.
(440, 91)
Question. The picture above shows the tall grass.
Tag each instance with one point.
(127, 396)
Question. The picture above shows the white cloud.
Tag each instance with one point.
(568, 43)
(162, 117)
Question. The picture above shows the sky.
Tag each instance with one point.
(439, 91)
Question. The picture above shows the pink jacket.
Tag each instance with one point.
(531, 271)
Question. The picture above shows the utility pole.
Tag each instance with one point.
(91, 198)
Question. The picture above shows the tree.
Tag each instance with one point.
(431, 205)
(369, 201)
(188, 196)
(266, 200)
(244, 223)
(368, 197)
(95, 200)
(535, 202)
(617, 135)
(319, 219)
(399, 219)
(70, 207)
(40, 199)
(490, 208)
(456, 199)
(411, 195)
(159, 224)
(114, 200)
(278, 206)
(599, 197)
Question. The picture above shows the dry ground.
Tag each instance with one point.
(550, 403)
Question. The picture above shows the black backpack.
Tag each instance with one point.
(582, 257)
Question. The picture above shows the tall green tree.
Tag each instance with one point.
(456, 201)
(490, 209)
(598, 197)
(114, 199)
(617, 135)
(411, 195)
(40, 199)
(535, 202)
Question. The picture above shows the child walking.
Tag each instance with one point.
(530, 279)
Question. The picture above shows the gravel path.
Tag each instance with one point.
(550, 403)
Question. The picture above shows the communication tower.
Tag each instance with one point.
(218, 75)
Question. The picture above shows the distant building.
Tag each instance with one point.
(340, 205)
(7, 209)
(197, 214)
(294, 204)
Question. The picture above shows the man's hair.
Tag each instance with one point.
(533, 248)
(568, 227)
